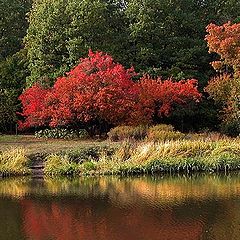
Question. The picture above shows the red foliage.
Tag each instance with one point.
(33, 106)
(101, 91)
(161, 96)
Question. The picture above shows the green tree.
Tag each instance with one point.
(13, 25)
(8, 109)
(62, 31)
(167, 36)
(13, 73)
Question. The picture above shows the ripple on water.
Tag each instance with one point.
(104, 208)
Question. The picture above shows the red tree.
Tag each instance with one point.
(33, 102)
(162, 96)
(101, 92)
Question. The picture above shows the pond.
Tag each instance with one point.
(164, 207)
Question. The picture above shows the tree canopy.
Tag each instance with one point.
(13, 25)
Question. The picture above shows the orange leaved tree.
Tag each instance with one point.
(225, 88)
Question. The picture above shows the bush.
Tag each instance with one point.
(161, 127)
(88, 166)
(128, 132)
(231, 128)
(163, 132)
(76, 162)
(62, 133)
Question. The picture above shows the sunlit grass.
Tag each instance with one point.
(13, 162)
(149, 157)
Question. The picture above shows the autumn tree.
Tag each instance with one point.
(99, 93)
(224, 40)
(225, 88)
(163, 96)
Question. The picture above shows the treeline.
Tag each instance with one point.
(43, 39)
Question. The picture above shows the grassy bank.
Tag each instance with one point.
(149, 157)
(128, 157)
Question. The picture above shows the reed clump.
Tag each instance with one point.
(57, 164)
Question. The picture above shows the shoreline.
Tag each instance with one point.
(129, 158)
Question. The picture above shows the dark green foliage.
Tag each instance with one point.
(13, 25)
(13, 73)
(159, 37)
(231, 128)
(168, 36)
(8, 109)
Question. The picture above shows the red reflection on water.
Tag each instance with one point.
(83, 220)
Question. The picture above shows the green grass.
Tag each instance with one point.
(10, 138)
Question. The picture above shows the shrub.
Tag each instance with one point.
(62, 133)
(128, 132)
(164, 135)
(88, 166)
(163, 132)
(84, 154)
(161, 127)
(231, 128)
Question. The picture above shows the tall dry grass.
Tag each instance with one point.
(174, 156)
(14, 162)
(149, 157)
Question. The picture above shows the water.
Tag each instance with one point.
(203, 207)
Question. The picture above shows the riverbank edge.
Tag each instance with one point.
(137, 158)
